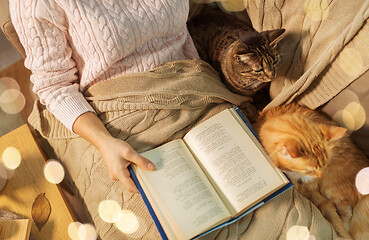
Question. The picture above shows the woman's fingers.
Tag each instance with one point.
(124, 177)
(117, 155)
(142, 162)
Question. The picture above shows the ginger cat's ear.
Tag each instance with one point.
(332, 132)
(289, 150)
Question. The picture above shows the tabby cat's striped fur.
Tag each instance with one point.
(245, 58)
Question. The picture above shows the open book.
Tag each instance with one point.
(217, 173)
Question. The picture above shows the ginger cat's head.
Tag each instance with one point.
(299, 145)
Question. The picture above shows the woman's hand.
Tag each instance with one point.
(117, 154)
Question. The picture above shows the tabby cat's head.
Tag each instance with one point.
(253, 57)
(297, 145)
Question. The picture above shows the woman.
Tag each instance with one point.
(71, 45)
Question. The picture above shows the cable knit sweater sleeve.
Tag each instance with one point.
(43, 32)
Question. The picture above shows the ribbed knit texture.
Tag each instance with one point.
(324, 50)
(72, 44)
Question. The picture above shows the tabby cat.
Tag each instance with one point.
(245, 58)
(321, 161)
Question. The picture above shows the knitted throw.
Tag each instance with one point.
(156, 107)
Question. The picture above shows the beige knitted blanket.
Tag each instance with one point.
(324, 50)
(146, 110)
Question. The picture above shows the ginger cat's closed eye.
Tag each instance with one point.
(322, 162)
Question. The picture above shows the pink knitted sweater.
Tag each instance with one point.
(72, 44)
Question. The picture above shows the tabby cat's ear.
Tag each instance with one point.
(332, 132)
(273, 36)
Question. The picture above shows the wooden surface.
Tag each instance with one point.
(21, 74)
(28, 182)
(15, 229)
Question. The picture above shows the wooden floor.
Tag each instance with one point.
(22, 75)
(18, 72)
(9, 122)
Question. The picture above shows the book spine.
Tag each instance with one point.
(248, 124)
(148, 205)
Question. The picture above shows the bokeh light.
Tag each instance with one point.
(362, 181)
(298, 233)
(357, 112)
(73, 230)
(54, 171)
(11, 158)
(346, 97)
(79, 231)
(338, 117)
(352, 117)
(87, 232)
(351, 61)
(12, 101)
(7, 83)
(316, 10)
(9, 95)
(10, 173)
(128, 222)
(232, 5)
(109, 211)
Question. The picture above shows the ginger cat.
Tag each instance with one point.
(321, 161)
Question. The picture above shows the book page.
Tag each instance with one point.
(181, 190)
(236, 165)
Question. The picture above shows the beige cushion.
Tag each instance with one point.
(8, 29)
